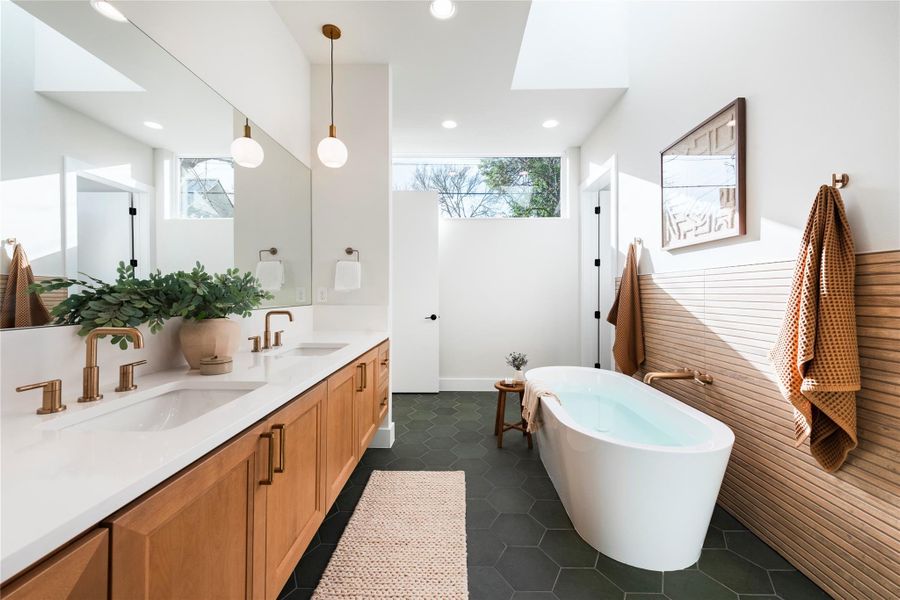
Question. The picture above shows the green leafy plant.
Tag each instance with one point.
(517, 360)
(131, 302)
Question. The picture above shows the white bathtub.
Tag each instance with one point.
(637, 470)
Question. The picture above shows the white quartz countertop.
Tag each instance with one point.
(57, 482)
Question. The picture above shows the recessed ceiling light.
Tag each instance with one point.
(443, 9)
(549, 123)
(448, 124)
(109, 11)
(152, 125)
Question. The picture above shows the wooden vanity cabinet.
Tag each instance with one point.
(201, 534)
(341, 442)
(80, 571)
(295, 502)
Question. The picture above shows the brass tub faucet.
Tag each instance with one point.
(685, 373)
(91, 377)
(267, 334)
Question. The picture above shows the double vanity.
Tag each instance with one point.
(190, 486)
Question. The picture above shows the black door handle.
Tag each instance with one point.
(432, 318)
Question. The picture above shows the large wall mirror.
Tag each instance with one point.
(113, 151)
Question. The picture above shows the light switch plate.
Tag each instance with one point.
(301, 294)
(322, 294)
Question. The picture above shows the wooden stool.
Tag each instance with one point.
(500, 426)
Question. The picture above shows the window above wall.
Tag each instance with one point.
(485, 187)
(205, 188)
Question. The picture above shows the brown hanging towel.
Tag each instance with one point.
(625, 314)
(815, 356)
(20, 307)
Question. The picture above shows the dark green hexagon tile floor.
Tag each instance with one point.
(521, 544)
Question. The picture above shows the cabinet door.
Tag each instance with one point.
(198, 534)
(341, 447)
(365, 400)
(78, 572)
(295, 502)
(382, 381)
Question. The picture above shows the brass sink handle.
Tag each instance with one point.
(52, 397)
(278, 334)
(126, 376)
(91, 375)
(255, 340)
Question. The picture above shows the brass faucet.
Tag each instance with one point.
(267, 334)
(91, 377)
(701, 378)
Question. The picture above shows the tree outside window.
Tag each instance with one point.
(495, 187)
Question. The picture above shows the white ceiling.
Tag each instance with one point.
(95, 80)
(460, 69)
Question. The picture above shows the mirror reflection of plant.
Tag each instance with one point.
(132, 301)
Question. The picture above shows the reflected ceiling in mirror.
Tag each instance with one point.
(112, 150)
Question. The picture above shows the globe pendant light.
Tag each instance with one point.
(246, 151)
(332, 151)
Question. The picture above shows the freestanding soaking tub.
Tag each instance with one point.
(637, 470)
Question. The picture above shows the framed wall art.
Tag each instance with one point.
(703, 181)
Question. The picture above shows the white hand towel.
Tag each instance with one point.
(347, 275)
(270, 274)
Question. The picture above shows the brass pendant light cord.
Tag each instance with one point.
(332, 81)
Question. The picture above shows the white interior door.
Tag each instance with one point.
(414, 293)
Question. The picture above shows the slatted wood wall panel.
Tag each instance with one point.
(842, 529)
(50, 299)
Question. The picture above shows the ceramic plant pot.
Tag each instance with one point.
(519, 376)
(208, 337)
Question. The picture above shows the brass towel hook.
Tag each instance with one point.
(840, 181)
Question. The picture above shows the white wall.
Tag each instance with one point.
(244, 51)
(351, 205)
(508, 285)
(821, 83)
(37, 133)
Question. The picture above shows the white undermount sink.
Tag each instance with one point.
(313, 349)
(157, 409)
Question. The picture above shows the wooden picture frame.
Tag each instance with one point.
(703, 181)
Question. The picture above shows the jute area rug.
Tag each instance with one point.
(406, 540)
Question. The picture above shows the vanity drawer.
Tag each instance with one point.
(383, 368)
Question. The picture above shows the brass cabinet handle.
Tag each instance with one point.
(52, 396)
(270, 472)
(365, 367)
(362, 382)
(384, 401)
(283, 440)
(385, 362)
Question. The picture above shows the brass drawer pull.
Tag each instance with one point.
(365, 367)
(270, 472)
(282, 441)
(362, 382)
(385, 362)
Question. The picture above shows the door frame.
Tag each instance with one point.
(600, 188)
(141, 199)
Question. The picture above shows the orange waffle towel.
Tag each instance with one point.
(20, 307)
(815, 356)
(625, 314)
